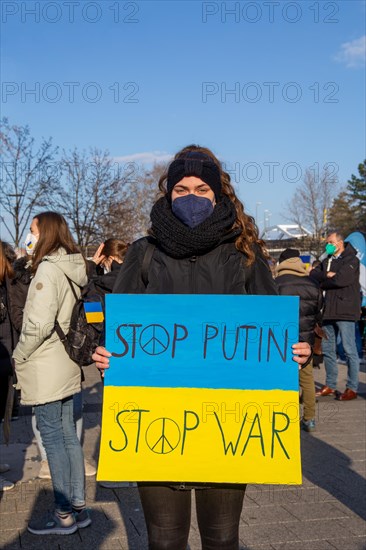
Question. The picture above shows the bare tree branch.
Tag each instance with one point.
(93, 194)
(309, 205)
(25, 182)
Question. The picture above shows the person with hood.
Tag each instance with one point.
(292, 279)
(47, 377)
(203, 242)
(18, 291)
(339, 277)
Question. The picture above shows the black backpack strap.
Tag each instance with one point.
(70, 283)
(151, 245)
(72, 288)
(60, 333)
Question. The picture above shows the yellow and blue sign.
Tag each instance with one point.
(201, 388)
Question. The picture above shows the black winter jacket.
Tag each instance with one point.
(7, 334)
(219, 271)
(342, 292)
(18, 290)
(292, 280)
(104, 282)
(14, 292)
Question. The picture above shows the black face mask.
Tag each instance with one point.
(192, 210)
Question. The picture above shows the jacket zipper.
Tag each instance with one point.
(193, 261)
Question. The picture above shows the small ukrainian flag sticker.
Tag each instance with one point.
(93, 312)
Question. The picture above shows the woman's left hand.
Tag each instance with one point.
(301, 353)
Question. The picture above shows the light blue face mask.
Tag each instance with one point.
(192, 210)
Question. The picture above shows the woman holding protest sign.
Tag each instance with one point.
(201, 242)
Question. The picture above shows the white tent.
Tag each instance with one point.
(285, 231)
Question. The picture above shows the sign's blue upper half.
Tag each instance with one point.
(202, 341)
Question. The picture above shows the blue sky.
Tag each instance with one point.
(295, 69)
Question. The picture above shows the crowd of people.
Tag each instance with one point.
(203, 243)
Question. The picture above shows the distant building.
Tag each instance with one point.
(285, 231)
(282, 236)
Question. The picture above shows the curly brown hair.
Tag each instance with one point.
(248, 240)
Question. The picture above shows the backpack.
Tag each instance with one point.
(85, 333)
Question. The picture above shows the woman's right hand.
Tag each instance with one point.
(98, 257)
(101, 358)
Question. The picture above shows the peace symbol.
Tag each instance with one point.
(154, 339)
(162, 436)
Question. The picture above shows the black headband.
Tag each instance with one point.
(195, 164)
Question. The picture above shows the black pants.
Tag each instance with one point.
(168, 516)
(4, 384)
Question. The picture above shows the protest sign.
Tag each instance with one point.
(201, 388)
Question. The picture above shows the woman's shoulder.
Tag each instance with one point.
(255, 249)
(138, 247)
(142, 242)
(48, 267)
(45, 271)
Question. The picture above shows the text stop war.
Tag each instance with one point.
(164, 435)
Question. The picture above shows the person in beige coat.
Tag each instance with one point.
(47, 377)
(292, 279)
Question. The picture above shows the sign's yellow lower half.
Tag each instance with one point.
(200, 435)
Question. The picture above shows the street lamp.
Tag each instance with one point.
(267, 215)
(256, 212)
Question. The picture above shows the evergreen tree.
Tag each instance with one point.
(356, 189)
(341, 215)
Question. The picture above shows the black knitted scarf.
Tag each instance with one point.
(180, 241)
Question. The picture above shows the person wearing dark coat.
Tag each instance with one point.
(17, 296)
(292, 280)
(8, 340)
(18, 290)
(203, 243)
(7, 332)
(339, 276)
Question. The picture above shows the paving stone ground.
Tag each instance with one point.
(326, 512)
